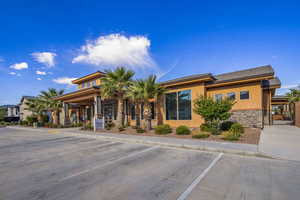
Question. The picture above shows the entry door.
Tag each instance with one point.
(108, 111)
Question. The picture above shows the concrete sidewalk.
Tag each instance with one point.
(225, 147)
(281, 141)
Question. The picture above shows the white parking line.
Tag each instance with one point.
(109, 163)
(188, 191)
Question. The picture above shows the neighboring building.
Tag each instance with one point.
(251, 89)
(13, 111)
(24, 113)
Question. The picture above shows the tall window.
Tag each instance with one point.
(244, 95)
(231, 95)
(218, 97)
(184, 105)
(178, 105)
(171, 106)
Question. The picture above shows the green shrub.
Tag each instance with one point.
(31, 119)
(121, 128)
(213, 111)
(109, 125)
(140, 130)
(2, 124)
(205, 127)
(215, 131)
(201, 135)
(163, 129)
(236, 128)
(213, 128)
(225, 126)
(183, 130)
(87, 126)
(24, 123)
(231, 136)
(44, 118)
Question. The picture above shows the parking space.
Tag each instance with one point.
(43, 165)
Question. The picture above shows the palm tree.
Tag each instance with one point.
(47, 97)
(135, 94)
(293, 96)
(150, 90)
(115, 85)
(36, 106)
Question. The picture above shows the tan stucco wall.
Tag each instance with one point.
(196, 90)
(255, 95)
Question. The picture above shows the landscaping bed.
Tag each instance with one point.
(250, 135)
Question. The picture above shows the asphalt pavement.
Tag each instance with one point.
(50, 165)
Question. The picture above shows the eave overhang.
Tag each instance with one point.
(188, 80)
(238, 81)
(79, 93)
(94, 75)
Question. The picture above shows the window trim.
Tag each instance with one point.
(231, 93)
(177, 105)
(248, 95)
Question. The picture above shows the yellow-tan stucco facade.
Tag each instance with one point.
(252, 90)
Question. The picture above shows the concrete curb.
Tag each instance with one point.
(162, 144)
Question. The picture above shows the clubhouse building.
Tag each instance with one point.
(251, 89)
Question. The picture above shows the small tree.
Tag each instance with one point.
(213, 111)
(293, 96)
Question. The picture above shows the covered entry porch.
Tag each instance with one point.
(281, 111)
(86, 107)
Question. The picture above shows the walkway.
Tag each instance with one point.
(281, 141)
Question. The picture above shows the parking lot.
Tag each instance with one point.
(43, 165)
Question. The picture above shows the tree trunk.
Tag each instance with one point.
(126, 121)
(120, 112)
(147, 116)
(137, 115)
(55, 115)
(39, 118)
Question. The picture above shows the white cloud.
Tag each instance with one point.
(117, 50)
(40, 73)
(47, 58)
(1, 59)
(19, 66)
(64, 80)
(14, 74)
(39, 79)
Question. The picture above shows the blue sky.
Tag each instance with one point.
(69, 39)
